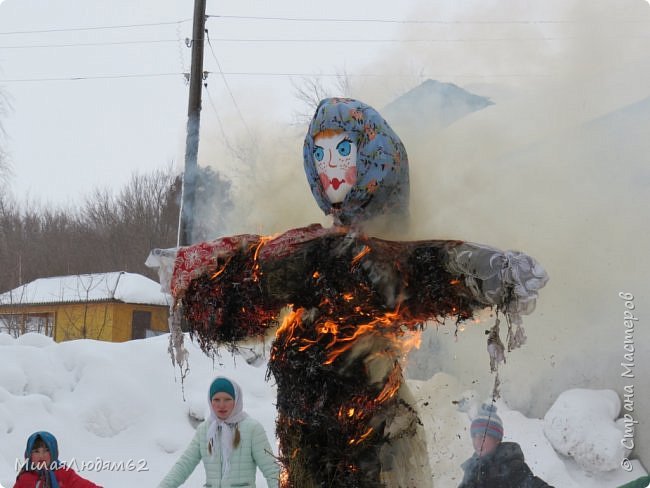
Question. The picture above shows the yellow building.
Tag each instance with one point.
(113, 307)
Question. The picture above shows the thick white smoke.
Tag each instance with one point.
(557, 168)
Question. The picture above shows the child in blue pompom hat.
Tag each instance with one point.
(43, 469)
(495, 464)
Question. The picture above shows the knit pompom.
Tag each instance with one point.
(487, 422)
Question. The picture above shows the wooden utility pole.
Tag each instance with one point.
(193, 124)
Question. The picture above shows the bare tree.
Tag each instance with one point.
(90, 324)
(5, 172)
(121, 229)
(12, 323)
(5, 166)
(10, 244)
(148, 217)
(109, 233)
(311, 90)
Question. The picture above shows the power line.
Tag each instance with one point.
(329, 41)
(99, 27)
(85, 44)
(219, 122)
(214, 55)
(487, 39)
(271, 75)
(296, 19)
(380, 75)
(404, 21)
(92, 77)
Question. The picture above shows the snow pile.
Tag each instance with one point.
(124, 404)
(582, 424)
(113, 403)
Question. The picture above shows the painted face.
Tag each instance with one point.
(222, 405)
(41, 457)
(336, 163)
(484, 444)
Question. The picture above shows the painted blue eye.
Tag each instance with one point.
(343, 147)
(318, 153)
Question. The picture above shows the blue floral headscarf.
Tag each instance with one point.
(382, 184)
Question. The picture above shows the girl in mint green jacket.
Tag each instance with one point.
(231, 444)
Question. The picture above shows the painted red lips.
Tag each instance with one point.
(336, 183)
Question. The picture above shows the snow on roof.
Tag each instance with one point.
(120, 286)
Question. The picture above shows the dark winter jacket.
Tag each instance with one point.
(642, 482)
(503, 468)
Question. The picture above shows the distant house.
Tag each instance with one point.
(113, 307)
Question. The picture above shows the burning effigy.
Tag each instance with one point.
(345, 416)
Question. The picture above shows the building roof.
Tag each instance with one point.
(117, 286)
(432, 106)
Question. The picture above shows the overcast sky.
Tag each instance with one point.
(96, 96)
(128, 113)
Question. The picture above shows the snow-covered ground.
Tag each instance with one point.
(122, 416)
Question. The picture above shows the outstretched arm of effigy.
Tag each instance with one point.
(447, 278)
(178, 266)
(220, 288)
(509, 280)
(224, 301)
(215, 288)
(458, 279)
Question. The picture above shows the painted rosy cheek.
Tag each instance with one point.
(351, 175)
(325, 181)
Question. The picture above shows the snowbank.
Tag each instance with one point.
(114, 403)
(582, 424)
(124, 404)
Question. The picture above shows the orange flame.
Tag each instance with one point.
(260, 244)
(359, 257)
(391, 387)
(337, 335)
(339, 341)
(284, 477)
(289, 324)
(362, 438)
(223, 268)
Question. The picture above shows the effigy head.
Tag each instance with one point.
(356, 165)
